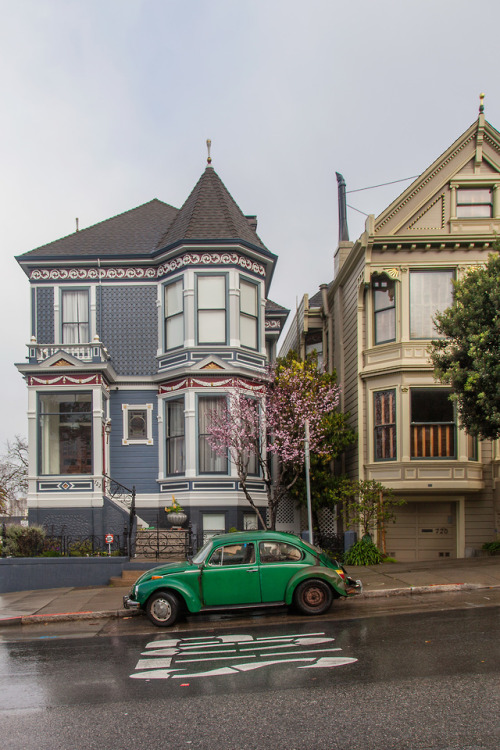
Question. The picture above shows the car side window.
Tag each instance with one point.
(234, 554)
(271, 552)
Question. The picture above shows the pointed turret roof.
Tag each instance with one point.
(210, 213)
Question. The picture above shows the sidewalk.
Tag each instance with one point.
(387, 579)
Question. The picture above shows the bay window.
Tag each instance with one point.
(209, 462)
(384, 309)
(249, 314)
(175, 437)
(385, 425)
(65, 433)
(75, 316)
(430, 292)
(174, 315)
(211, 309)
(432, 425)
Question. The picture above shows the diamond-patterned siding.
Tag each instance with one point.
(45, 315)
(129, 328)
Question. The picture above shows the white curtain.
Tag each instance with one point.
(75, 317)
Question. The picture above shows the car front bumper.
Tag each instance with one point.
(129, 603)
(354, 587)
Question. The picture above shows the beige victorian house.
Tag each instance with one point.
(373, 323)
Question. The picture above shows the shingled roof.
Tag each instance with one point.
(210, 213)
(135, 232)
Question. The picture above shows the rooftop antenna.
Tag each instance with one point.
(209, 159)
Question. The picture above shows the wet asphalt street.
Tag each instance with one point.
(414, 677)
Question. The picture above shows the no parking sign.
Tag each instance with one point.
(109, 541)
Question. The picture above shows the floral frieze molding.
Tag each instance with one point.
(134, 273)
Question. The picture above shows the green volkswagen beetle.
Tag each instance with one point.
(242, 570)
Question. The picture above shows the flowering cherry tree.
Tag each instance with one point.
(270, 422)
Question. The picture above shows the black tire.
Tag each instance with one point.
(313, 597)
(162, 609)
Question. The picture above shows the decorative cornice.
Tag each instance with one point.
(138, 273)
(83, 379)
(211, 382)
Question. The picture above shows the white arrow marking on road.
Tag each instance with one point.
(330, 661)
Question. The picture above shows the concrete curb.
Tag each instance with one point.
(124, 613)
(435, 588)
(67, 617)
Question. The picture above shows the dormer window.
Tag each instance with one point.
(473, 203)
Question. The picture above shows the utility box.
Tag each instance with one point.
(350, 538)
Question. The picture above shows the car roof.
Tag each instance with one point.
(257, 535)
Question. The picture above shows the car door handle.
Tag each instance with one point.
(252, 570)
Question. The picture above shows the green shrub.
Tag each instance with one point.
(81, 548)
(364, 552)
(24, 541)
(492, 546)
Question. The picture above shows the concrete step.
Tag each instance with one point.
(127, 578)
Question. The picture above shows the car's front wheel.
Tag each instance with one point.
(162, 609)
(313, 597)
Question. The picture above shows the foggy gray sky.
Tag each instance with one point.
(107, 104)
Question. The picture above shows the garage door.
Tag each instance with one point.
(423, 531)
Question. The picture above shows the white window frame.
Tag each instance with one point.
(249, 316)
(167, 317)
(414, 315)
(62, 322)
(148, 408)
(201, 310)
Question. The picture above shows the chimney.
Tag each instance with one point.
(343, 229)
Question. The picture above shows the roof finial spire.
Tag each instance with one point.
(481, 104)
(209, 159)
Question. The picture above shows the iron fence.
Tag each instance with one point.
(332, 543)
(69, 545)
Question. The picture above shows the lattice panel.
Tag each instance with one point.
(327, 521)
(286, 512)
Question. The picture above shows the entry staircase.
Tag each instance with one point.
(154, 546)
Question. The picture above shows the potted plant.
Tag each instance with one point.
(175, 514)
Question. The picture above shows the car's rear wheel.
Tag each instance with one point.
(162, 609)
(313, 597)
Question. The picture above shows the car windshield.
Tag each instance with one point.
(202, 554)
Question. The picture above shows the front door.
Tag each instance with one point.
(231, 576)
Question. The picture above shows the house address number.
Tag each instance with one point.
(441, 531)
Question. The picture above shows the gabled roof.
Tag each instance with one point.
(135, 232)
(477, 148)
(210, 213)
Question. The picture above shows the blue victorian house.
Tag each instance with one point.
(140, 326)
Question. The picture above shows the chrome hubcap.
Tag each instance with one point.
(161, 609)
